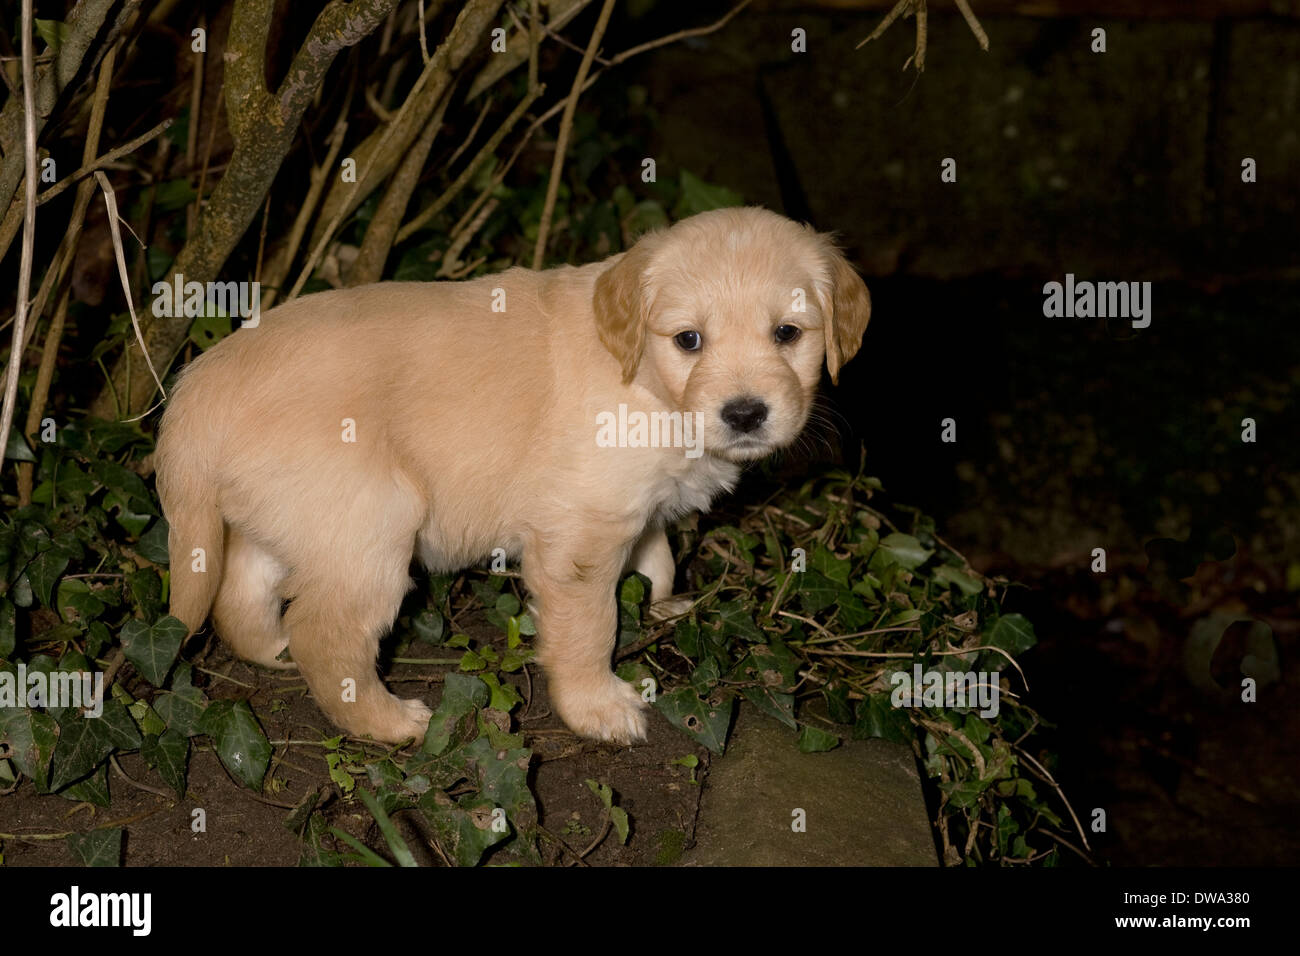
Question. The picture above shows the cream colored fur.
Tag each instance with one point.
(476, 429)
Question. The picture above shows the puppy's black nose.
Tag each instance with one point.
(744, 414)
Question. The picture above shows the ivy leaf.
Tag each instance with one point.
(83, 745)
(501, 773)
(877, 717)
(152, 545)
(836, 569)
(429, 626)
(174, 194)
(966, 583)
(699, 196)
(92, 789)
(773, 703)
(904, 550)
(16, 448)
(182, 710)
(1011, 632)
(98, 847)
(31, 737)
(238, 740)
(737, 620)
(146, 592)
(129, 486)
(631, 594)
(169, 755)
(618, 816)
(645, 216)
(45, 570)
(504, 696)
(464, 829)
(117, 726)
(816, 591)
(209, 329)
(77, 602)
(837, 702)
(461, 695)
(8, 627)
(153, 649)
(814, 740)
(701, 720)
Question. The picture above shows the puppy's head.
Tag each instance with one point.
(731, 313)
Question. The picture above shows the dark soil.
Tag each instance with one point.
(247, 829)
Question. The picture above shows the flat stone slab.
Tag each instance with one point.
(862, 803)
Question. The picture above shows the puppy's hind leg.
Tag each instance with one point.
(247, 609)
(334, 625)
(653, 557)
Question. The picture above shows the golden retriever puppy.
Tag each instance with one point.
(564, 416)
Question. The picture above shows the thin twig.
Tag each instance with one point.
(103, 161)
(192, 133)
(566, 128)
(110, 202)
(922, 36)
(463, 180)
(679, 35)
(534, 41)
(378, 240)
(918, 7)
(451, 258)
(58, 269)
(1050, 781)
(376, 158)
(29, 229)
(424, 43)
(499, 177)
(41, 392)
(886, 23)
(973, 22)
(283, 261)
(147, 788)
(469, 137)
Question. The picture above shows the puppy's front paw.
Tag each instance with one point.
(669, 608)
(414, 720)
(612, 710)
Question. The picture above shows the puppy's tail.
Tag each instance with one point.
(196, 531)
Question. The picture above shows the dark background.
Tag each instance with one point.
(1072, 434)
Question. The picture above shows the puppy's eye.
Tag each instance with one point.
(689, 341)
(787, 333)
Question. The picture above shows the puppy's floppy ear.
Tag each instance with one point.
(847, 309)
(621, 308)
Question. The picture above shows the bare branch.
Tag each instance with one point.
(369, 265)
(264, 127)
(112, 156)
(907, 8)
(378, 155)
(461, 181)
(29, 230)
(566, 127)
(84, 24)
